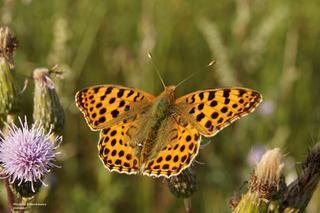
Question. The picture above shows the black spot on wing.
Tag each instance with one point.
(130, 93)
(122, 103)
(241, 92)
(96, 90)
(102, 119)
(115, 113)
(102, 111)
(201, 96)
(211, 95)
(200, 116)
(200, 106)
(108, 91)
(224, 109)
(213, 103)
(112, 100)
(226, 93)
(120, 93)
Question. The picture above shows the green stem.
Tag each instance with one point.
(188, 205)
(9, 194)
(25, 202)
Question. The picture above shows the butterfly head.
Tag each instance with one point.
(170, 91)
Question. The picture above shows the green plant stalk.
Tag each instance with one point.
(251, 202)
(10, 195)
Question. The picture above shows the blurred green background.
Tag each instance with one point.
(271, 46)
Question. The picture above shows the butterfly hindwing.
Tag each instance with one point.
(116, 149)
(101, 104)
(179, 152)
(212, 110)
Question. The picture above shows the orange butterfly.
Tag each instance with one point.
(158, 136)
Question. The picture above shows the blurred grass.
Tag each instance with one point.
(271, 46)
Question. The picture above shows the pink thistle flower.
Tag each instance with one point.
(27, 154)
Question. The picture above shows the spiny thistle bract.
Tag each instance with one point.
(263, 195)
(183, 185)
(47, 107)
(27, 155)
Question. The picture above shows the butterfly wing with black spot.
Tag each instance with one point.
(182, 146)
(117, 148)
(211, 110)
(108, 104)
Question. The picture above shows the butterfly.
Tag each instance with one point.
(158, 136)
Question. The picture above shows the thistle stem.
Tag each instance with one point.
(25, 203)
(188, 205)
(10, 118)
(9, 194)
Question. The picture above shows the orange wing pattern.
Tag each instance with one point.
(116, 147)
(101, 104)
(121, 113)
(178, 154)
(209, 111)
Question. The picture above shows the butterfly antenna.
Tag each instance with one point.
(157, 70)
(190, 76)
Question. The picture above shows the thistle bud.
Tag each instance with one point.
(47, 107)
(264, 184)
(8, 87)
(183, 185)
(26, 189)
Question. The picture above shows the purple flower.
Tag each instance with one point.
(27, 154)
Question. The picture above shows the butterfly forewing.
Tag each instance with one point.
(102, 104)
(211, 110)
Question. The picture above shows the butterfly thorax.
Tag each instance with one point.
(159, 112)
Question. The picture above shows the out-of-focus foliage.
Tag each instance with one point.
(271, 46)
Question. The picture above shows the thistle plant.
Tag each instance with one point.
(264, 183)
(268, 191)
(183, 185)
(27, 156)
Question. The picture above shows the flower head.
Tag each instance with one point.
(255, 154)
(184, 184)
(27, 154)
